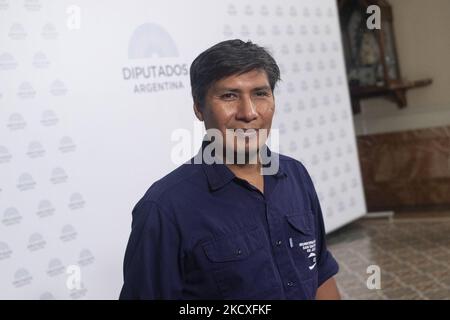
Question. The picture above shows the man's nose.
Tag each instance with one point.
(247, 110)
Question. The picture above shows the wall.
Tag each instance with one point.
(423, 45)
(406, 170)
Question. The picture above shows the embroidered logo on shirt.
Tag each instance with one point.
(310, 248)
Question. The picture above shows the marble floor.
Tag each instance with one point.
(412, 252)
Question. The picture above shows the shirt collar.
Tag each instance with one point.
(218, 175)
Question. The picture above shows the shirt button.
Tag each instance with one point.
(238, 252)
(290, 284)
(278, 243)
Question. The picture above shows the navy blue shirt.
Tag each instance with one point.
(200, 232)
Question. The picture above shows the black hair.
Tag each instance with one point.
(228, 58)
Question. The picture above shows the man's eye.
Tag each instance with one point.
(262, 94)
(228, 96)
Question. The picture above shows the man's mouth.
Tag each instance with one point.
(245, 132)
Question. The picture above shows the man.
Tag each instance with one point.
(227, 230)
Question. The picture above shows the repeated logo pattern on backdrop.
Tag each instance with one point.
(40, 207)
(45, 205)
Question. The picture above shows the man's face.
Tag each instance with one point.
(242, 101)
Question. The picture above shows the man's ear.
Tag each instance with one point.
(197, 111)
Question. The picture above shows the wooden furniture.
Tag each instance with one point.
(373, 68)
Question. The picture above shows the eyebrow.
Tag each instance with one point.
(239, 90)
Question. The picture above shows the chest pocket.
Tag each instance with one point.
(303, 243)
(242, 267)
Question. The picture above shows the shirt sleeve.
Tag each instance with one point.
(152, 264)
(327, 265)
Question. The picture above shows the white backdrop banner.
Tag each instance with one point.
(90, 94)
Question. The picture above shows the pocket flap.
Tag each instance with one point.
(301, 222)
